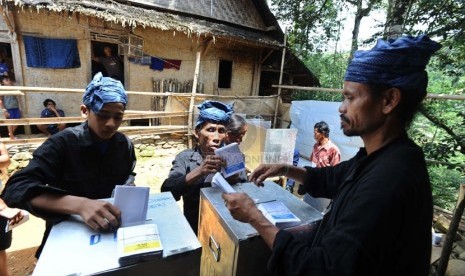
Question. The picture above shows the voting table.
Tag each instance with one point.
(73, 248)
(231, 247)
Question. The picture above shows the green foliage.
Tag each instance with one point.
(445, 185)
(443, 138)
(328, 67)
(330, 70)
(309, 23)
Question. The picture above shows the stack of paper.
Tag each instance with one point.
(138, 244)
(278, 214)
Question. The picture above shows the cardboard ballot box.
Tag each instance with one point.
(230, 247)
(73, 248)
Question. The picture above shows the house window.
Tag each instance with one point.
(225, 74)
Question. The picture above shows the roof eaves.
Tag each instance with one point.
(133, 16)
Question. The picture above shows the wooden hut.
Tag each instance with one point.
(236, 46)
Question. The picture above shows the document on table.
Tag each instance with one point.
(233, 157)
(133, 203)
(138, 244)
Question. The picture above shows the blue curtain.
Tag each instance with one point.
(51, 52)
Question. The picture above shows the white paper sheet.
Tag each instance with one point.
(132, 201)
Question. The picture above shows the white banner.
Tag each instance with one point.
(304, 116)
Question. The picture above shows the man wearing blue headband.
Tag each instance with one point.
(379, 220)
(77, 166)
(192, 166)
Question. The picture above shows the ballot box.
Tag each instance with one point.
(230, 247)
(75, 249)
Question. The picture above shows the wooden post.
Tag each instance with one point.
(450, 237)
(280, 82)
(190, 123)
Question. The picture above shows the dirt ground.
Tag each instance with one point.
(21, 261)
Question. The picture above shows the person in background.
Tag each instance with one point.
(192, 166)
(379, 221)
(113, 65)
(76, 167)
(4, 68)
(11, 216)
(235, 130)
(4, 163)
(325, 153)
(51, 111)
(10, 106)
(290, 183)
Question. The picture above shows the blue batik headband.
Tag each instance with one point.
(213, 111)
(397, 63)
(102, 90)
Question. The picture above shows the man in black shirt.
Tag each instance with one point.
(75, 167)
(379, 222)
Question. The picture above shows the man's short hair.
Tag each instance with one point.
(45, 103)
(2, 78)
(323, 128)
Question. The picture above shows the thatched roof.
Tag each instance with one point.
(136, 16)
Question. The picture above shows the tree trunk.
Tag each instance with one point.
(396, 14)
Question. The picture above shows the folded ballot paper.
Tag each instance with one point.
(138, 243)
(133, 202)
(219, 181)
(233, 157)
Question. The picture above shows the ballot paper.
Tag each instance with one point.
(233, 157)
(9, 226)
(219, 181)
(138, 244)
(133, 203)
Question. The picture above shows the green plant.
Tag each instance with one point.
(445, 184)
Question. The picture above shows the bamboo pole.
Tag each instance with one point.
(130, 130)
(130, 115)
(280, 81)
(337, 90)
(450, 237)
(191, 104)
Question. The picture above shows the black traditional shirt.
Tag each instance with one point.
(184, 163)
(379, 222)
(71, 163)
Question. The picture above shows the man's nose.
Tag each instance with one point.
(342, 108)
(111, 123)
(216, 136)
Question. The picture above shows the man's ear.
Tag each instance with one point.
(392, 97)
(84, 111)
(196, 133)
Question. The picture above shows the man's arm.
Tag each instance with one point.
(243, 208)
(182, 175)
(2, 107)
(4, 157)
(95, 213)
(264, 171)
